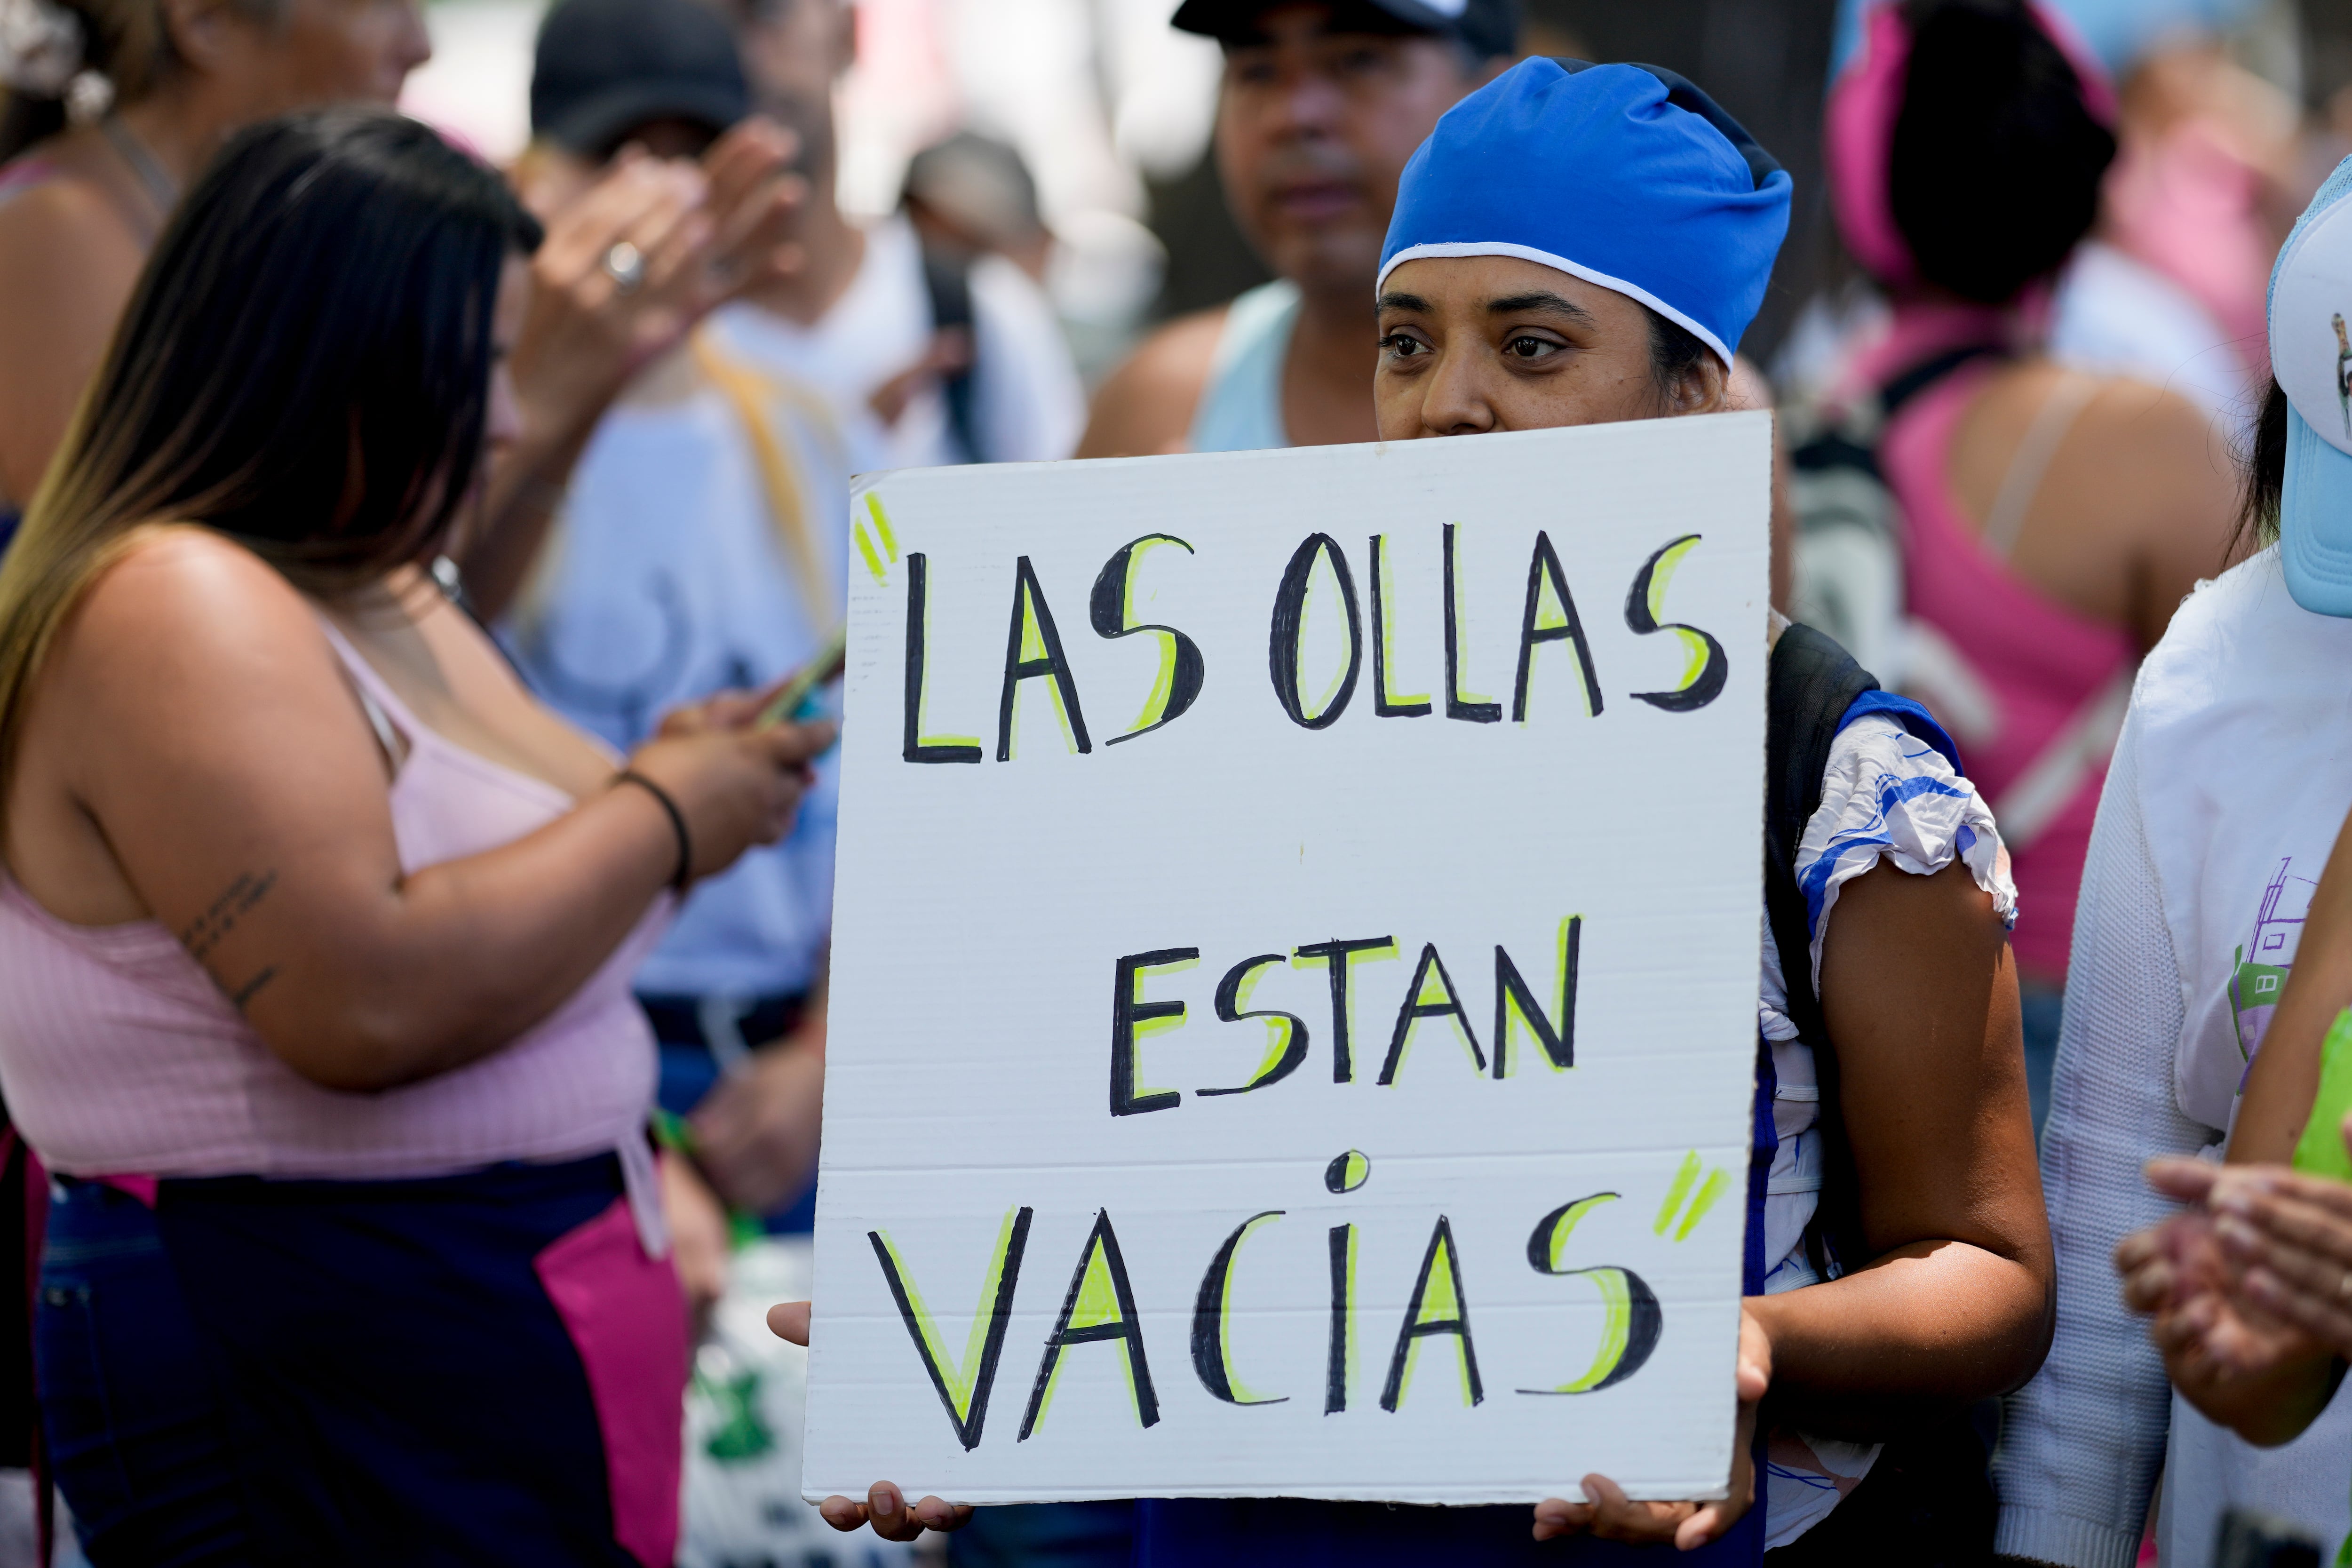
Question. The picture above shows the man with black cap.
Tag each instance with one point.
(698, 549)
(654, 72)
(1322, 105)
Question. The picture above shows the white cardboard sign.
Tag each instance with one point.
(1294, 986)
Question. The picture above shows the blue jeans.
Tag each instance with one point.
(129, 1406)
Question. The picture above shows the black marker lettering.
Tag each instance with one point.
(1415, 1009)
(1543, 565)
(1292, 1026)
(1181, 670)
(1289, 621)
(1211, 1361)
(1029, 613)
(1448, 1309)
(1127, 1011)
(917, 749)
(972, 1414)
(1343, 1303)
(1556, 1036)
(1456, 708)
(1114, 1319)
(1633, 1318)
(1337, 955)
(1382, 704)
(1642, 604)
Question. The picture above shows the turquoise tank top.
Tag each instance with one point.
(1241, 408)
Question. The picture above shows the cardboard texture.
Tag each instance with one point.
(1111, 1205)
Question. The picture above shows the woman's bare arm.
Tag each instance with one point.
(1920, 995)
(217, 747)
(67, 264)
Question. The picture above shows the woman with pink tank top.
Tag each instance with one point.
(317, 932)
(2050, 520)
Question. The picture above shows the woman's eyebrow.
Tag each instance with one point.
(1542, 304)
(1403, 302)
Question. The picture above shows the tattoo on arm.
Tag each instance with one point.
(235, 901)
(245, 993)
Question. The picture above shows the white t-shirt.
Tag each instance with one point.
(667, 577)
(2226, 793)
(1029, 406)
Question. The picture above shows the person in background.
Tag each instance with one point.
(866, 321)
(2050, 520)
(2169, 287)
(317, 930)
(971, 194)
(972, 202)
(1321, 106)
(1899, 1266)
(2230, 782)
(112, 106)
(699, 549)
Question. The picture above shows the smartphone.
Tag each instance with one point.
(822, 668)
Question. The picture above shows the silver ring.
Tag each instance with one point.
(625, 264)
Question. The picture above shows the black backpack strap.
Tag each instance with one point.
(1928, 372)
(1851, 442)
(946, 279)
(1813, 681)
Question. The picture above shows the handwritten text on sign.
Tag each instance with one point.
(1293, 1008)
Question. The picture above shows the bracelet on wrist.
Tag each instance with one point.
(685, 872)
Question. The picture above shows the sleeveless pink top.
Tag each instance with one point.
(117, 1053)
(2055, 683)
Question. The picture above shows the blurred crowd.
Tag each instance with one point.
(741, 251)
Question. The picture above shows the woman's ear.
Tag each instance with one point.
(1702, 386)
(203, 32)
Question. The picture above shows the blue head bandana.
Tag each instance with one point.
(1626, 177)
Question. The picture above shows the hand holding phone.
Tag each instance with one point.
(822, 668)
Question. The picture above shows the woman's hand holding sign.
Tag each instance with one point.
(1608, 1513)
(886, 1508)
(1611, 1515)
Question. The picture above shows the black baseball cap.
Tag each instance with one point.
(604, 66)
(1486, 27)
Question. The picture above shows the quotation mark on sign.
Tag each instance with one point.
(875, 541)
(1698, 1203)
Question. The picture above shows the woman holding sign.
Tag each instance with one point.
(1580, 245)
(317, 930)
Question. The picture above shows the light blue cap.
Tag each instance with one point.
(2311, 354)
(1626, 177)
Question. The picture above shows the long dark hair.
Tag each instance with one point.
(304, 367)
(2265, 477)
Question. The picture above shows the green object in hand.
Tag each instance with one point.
(2320, 1151)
